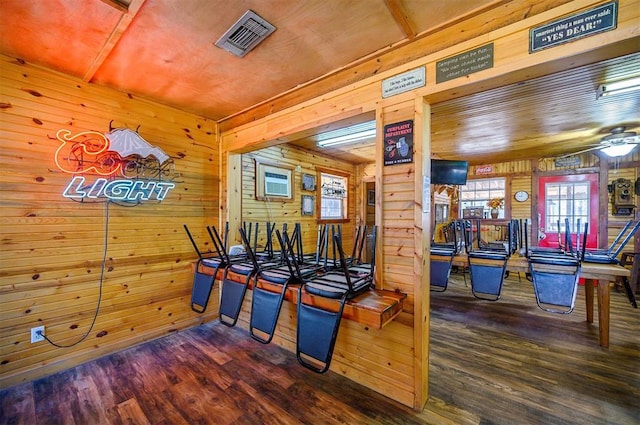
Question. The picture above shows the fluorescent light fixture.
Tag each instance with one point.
(617, 87)
(346, 135)
(618, 149)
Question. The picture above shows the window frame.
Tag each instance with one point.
(564, 204)
(345, 201)
(506, 210)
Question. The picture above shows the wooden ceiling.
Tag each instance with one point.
(547, 116)
(164, 50)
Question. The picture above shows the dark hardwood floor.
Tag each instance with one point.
(504, 362)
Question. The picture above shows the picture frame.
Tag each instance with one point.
(308, 205)
(273, 182)
(371, 197)
(308, 182)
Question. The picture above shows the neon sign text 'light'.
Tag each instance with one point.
(118, 190)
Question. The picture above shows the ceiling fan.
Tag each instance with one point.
(618, 143)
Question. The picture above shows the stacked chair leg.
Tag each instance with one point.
(203, 283)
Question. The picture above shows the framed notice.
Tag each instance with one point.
(308, 206)
(573, 27)
(308, 182)
(465, 63)
(398, 143)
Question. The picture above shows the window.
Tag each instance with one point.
(334, 190)
(566, 200)
(476, 193)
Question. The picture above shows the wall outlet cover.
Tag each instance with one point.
(35, 337)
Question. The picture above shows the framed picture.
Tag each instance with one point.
(371, 197)
(308, 182)
(273, 182)
(307, 205)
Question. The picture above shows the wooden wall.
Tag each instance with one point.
(381, 359)
(289, 212)
(403, 220)
(52, 248)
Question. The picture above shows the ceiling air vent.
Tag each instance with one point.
(245, 34)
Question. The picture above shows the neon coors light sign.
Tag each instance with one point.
(129, 169)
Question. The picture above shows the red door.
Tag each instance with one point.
(574, 197)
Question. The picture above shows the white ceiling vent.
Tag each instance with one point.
(245, 34)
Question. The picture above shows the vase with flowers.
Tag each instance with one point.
(495, 204)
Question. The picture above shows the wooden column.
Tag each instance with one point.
(234, 196)
(422, 238)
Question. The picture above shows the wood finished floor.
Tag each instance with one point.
(503, 362)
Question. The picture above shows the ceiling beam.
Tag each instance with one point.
(401, 18)
(125, 20)
(122, 6)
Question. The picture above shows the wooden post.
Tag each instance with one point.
(422, 238)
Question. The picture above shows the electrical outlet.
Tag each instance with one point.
(37, 334)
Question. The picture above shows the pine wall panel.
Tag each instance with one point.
(379, 358)
(289, 212)
(52, 247)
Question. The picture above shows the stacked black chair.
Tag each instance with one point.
(203, 283)
(356, 263)
(317, 327)
(611, 255)
(555, 277)
(232, 290)
(441, 259)
(442, 254)
(269, 289)
(487, 265)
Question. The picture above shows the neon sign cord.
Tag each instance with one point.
(104, 261)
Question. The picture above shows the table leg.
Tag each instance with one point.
(604, 293)
(588, 296)
(635, 271)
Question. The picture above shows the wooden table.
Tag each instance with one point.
(595, 275)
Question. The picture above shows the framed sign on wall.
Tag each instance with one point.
(308, 204)
(308, 182)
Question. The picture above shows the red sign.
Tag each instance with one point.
(484, 169)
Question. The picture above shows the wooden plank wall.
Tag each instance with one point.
(405, 340)
(380, 359)
(289, 212)
(52, 248)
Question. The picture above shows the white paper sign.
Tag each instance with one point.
(404, 82)
(426, 194)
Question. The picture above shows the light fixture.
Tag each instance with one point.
(617, 87)
(346, 135)
(618, 149)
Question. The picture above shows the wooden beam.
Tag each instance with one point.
(401, 18)
(121, 5)
(123, 23)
